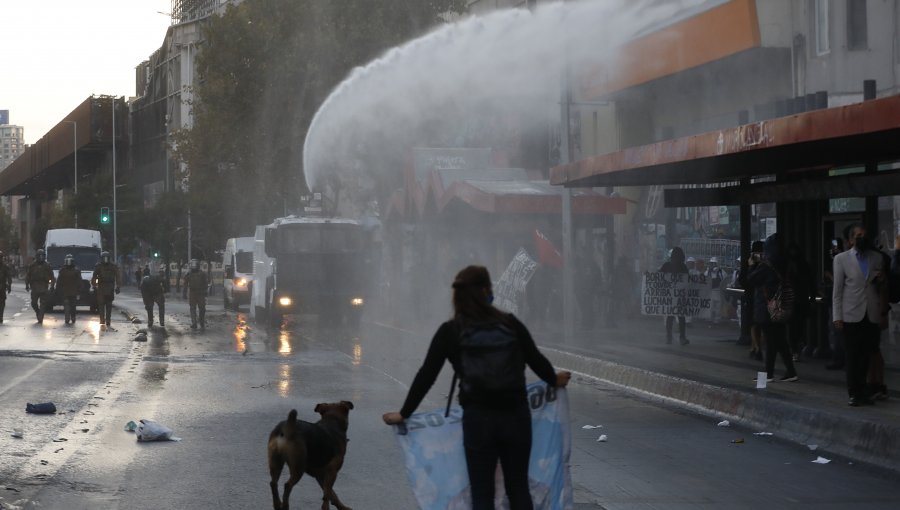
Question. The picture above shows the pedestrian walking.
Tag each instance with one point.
(748, 324)
(767, 276)
(196, 287)
(860, 308)
(69, 285)
(39, 280)
(676, 264)
(6, 273)
(153, 292)
(496, 418)
(105, 281)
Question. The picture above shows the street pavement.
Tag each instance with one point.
(715, 376)
(223, 390)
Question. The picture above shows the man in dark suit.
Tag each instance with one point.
(859, 301)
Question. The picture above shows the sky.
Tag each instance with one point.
(56, 53)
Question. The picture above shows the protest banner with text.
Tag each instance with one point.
(675, 294)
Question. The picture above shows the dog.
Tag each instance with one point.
(317, 449)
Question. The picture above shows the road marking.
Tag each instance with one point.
(47, 462)
(12, 384)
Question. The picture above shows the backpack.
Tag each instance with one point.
(781, 303)
(491, 360)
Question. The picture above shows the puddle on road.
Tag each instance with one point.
(284, 380)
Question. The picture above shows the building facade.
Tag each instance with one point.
(164, 91)
(12, 143)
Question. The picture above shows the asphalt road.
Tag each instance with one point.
(223, 390)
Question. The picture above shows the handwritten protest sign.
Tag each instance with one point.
(436, 463)
(511, 287)
(675, 294)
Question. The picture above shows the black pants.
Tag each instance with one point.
(104, 304)
(776, 343)
(198, 303)
(746, 320)
(69, 308)
(797, 332)
(39, 303)
(860, 341)
(148, 305)
(490, 435)
(2, 304)
(836, 340)
(670, 321)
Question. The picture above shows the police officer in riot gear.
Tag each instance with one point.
(69, 285)
(196, 286)
(39, 280)
(153, 291)
(6, 282)
(106, 284)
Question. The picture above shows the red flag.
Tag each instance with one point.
(547, 253)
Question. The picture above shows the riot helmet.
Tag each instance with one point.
(69, 260)
(39, 255)
(104, 257)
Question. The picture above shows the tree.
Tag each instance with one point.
(266, 67)
(9, 235)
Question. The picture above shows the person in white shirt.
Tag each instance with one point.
(859, 301)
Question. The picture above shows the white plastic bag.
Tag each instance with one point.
(149, 430)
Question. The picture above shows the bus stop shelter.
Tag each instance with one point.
(787, 160)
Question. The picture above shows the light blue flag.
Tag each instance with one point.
(436, 462)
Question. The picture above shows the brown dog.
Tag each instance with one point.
(314, 448)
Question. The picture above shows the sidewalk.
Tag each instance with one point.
(715, 376)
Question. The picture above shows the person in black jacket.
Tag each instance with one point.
(496, 424)
(153, 292)
(764, 277)
(675, 264)
(749, 327)
(801, 275)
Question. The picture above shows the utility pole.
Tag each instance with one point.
(75, 155)
(115, 210)
(566, 153)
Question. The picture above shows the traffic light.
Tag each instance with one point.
(104, 216)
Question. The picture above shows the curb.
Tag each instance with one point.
(860, 440)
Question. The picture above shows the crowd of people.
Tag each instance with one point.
(778, 289)
(67, 287)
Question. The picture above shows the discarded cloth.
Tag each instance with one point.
(43, 408)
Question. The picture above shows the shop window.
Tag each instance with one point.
(847, 204)
(857, 25)
(822, 23)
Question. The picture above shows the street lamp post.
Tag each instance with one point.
(114, 221)
(566, 153)
(75, 154)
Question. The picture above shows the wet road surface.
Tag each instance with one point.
(223, 390)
